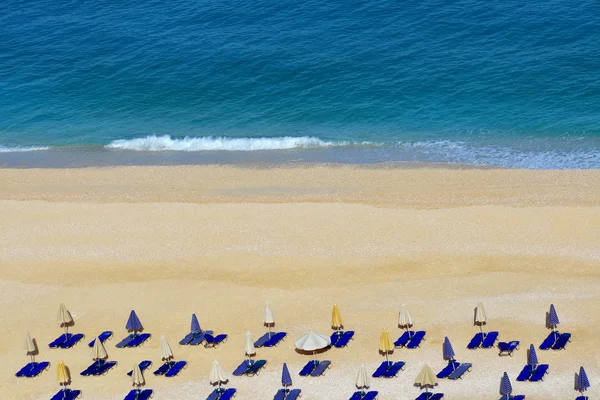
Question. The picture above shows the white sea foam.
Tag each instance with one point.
(211, 143)
(4, 149)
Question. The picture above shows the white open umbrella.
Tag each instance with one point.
(362, 379)
(137, 377)
(426, 378)
(268, 319)
(217, 375)
(29, 346)
(313, 341)
(249, 345)
(98, 351)
(64, 317)
(165, 350)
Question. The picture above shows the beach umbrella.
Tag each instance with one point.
(30, 348)
(336, 318)
(532, 356)
(62, 374)
(385, 343)
(426, 378)
(286, 378)
(195, 325)
(405, 319)
(447, 349)
(268, 319)
(98, 351)
(362, 379)
(165, 350)
(217, 375)
(133, 322)
(505, 386)
(249, 345)
(553, 317)
(137, 377)
(583, 383)
(64, 317)
(480, 316)
(313, 341)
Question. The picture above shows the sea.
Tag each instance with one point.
(494, 83)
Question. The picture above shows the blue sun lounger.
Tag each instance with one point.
(275, 339)
(188, 338)
(263, 339)
(508, 347)
(60, 340)
(163, 369)
(32, 369)
(525, 373)
(344, 340)
(476, 341)
(175, 369)
(517, 397)
(291, 394)
(214, 341)
(562, 341)
(448, 369)
(66, 394)
(104, 336)
(227, 395)
(72, 341)
(430, 396)
(335, 336)
(549, 341)
(392, 372)
(416, 340)
(404, 338)
(242, 368)
(98, 368)
(308, 368)
(139, 340)
(320, 369)
(137, 394)
(382, 369)
(125, 341)
(489, 340)
(255, 367)
(580, 398)
(538, 374)
(144, 365)
(460, 371)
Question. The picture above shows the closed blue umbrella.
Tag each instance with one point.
(448, 350)
(133, 323)
(553, 317)
(505, 386)
(195, 325)
(286, 378)
(532, 357)
(583, 383)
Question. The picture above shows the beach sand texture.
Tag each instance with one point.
(220, 241)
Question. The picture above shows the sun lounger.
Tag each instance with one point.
(228, 394)
(275, 339)
(144, 365)
(125, 341)
(404, 338)
(549, 341)
(214, 395)
(66, 394)
(139, 340)
(344, 340)
(214, 341)
(255, 367)
(424, 396)
(562, 341)
(437, 396)
(60, 340)
(98, 368)
(309, 367)
(242, 368)
(294, 394)
(448, 369)
(508, 347)
(392, 372)
(164, 368)
(538, 374)
(187, 338)
(416, 340)
(489, 340)
(320, 369)
(382, 369)
(517, 397)
(460, 371)
(175, 369)
(280, 395)
(335, 336)
(137, 394)
(32, 369)
(357, 395)
(582, 398)
(263, 339)
(525, 373)
(104, 336)
(476, 341)
(72, 341)
(371, 395)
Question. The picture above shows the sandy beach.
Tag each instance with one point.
(219, 241)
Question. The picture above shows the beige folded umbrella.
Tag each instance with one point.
(165, 349)
(64, 317)
(426, 378)
(63, 374)
(249, 345)
(405, 319)
(268, 319)
(385, 343)
(98, 351)
(480, 316)
(137, 377)
(336, 318)
(362, 379)
(217, 375)
(30, 348)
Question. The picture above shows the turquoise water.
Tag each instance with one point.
(501, 83)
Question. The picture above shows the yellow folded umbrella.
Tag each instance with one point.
(336, 318)
(385, 343)
(63, 374)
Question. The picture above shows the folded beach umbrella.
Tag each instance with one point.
(62, 374)
(268, 319)
(165, 350)
(480, 315)
(405, 319)
(553, 320)
(195, 325)
(532, 359)
(336, 318)
(426, 378)
(133, 322)
(64, 317)
(249, 345)
(30, 348)
(98, 351)
(286, 378)
(217, 375)
(447, 349)
(137, 377)
(386, 345)
(362, 379)
(505, 386)
(583, 383)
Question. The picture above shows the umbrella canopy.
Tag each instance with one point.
(336, 318)
(268, 319)
(480, 315)
(313, 341)
(532, 356)
(165, 350)
(62, 374)
(405, 320)
(64, 317)
(426, 378)
(286, 378)
(505, 386)
(385, 343)
(362, 379)
(583, 383)
(29, 345)
(249, 345)
(217, 375)
(447, 349)
(553, 317)
(133, 322)
(137, 377)
(98, 351)
(195, 328)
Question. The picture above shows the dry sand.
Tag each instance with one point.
(219, 241)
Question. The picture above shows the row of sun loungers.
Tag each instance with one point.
(410, 339)
(533, 374)
(66, 341)
(556, 341)
(315, 368)
(364, 396)
(137, 394)
(221, 394)
(483, 340)
(286, 394)
(66, 394)
(389, 369)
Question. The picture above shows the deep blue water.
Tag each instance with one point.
(494, 82)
